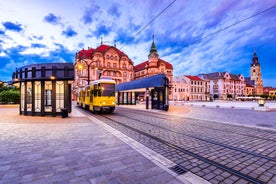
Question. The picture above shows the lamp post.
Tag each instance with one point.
(261, 102)
(88, 63)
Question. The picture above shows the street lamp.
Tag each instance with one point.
(88, 63)
(261, 102)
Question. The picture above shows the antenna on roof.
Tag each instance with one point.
(114, 43)
(101, 40)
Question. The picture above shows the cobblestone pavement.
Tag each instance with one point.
(228, 115)
(247, 151)
(68, 150)
(242, 114)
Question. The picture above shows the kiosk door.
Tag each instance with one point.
(158, 98)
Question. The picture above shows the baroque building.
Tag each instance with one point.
(153, 66)
(103, 61)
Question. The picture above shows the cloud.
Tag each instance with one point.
(38, 45)
(69, 32)
(102, 30)
(90, 11)
(12, 26)
(38, 37)
(114, 10)
(52, 19)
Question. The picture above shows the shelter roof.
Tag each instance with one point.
(147, 82)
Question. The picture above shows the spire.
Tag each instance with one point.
(101, 40)
(153, 47)
(255, 60)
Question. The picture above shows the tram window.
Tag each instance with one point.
(99, 90)
(95, 90)
(108, 89)
(91, 95)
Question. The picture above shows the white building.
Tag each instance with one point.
(224, 85)
(190, 88)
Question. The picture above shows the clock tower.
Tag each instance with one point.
(255, 75)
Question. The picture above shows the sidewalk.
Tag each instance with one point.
(77, 149)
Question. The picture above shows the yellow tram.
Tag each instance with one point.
(99, 96)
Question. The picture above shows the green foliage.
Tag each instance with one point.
(264, 96)
(9, 96)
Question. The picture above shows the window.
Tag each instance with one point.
(59, 95)
(37, 96)
(48, 96)
(108, 64)
(115, 65)
(29, 96)
(107, 89)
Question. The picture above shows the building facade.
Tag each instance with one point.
(190, 88)
(270, 91)
(249, 90)
(224, 85)
(153, 66)
(103, 61)
(256, 75)
(180, 89)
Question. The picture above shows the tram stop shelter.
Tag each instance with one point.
(45, 89)
(153, 89)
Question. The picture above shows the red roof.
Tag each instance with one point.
(193, 77)
(86, 53)
(103, 48)
(142, 65)
(248, 85)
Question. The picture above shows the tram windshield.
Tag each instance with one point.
(107, 89)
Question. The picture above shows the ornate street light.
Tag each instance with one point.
(88, 63)
(261, 101)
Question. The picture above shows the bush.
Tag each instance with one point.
(10, 96)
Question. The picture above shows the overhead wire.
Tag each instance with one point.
(234, 24)
(142, 29)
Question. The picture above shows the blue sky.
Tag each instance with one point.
(38, 31)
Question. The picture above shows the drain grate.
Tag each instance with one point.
(178, 169)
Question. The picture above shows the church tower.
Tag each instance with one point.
(153, 55)
(255, 75)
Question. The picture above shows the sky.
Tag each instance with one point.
(195, 36)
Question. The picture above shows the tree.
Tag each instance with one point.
(9, 96)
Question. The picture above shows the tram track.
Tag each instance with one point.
(185, 151)
(165, 117)
(123, 124)
(205, 140)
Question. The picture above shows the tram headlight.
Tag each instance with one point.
(103, 103)
(113, 103)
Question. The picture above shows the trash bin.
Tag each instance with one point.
(64, 112)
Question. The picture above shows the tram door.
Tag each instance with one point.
(158, 98)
